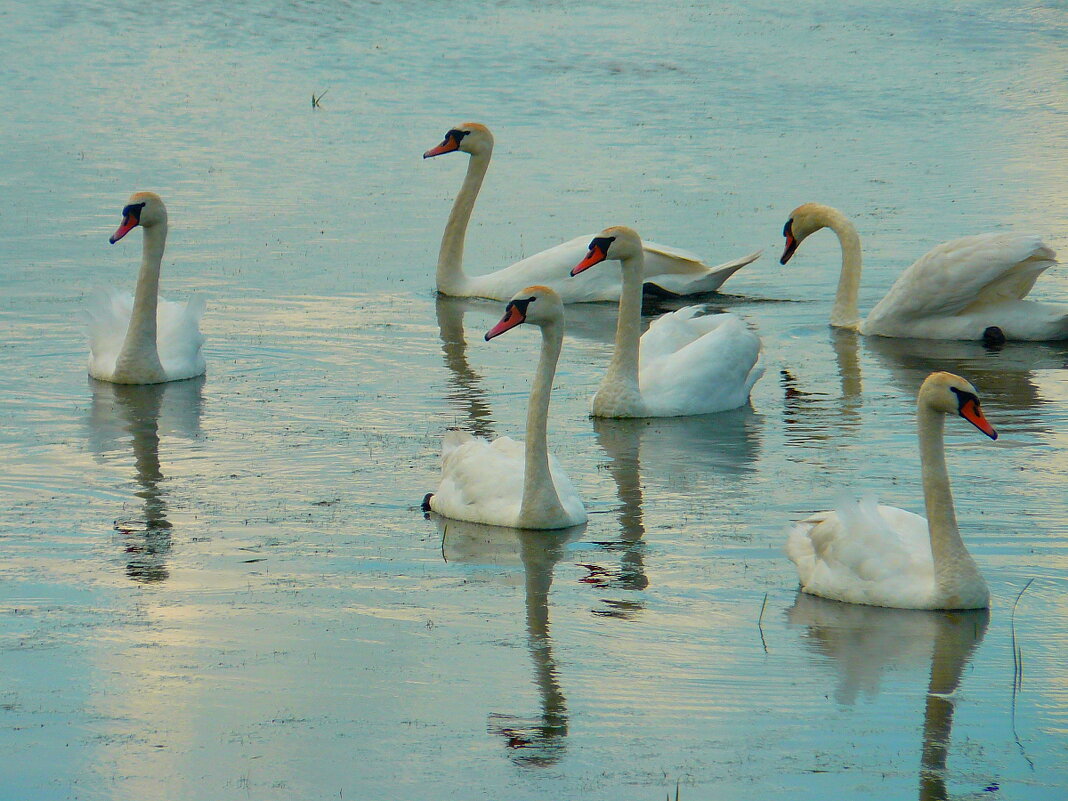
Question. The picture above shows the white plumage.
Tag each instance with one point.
(179, 342)
(482, 481)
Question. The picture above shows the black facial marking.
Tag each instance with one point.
(520, 305)
(133, 210)
(786, 228)
(963, 396)
(457, 135)
(602, 243)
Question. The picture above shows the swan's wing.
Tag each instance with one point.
(481, 481)
(864, 553)
(967, 272)
(566, 492)
(692, 364)
(675, 271)
(178, 338)
(108, 316)
(670, 332)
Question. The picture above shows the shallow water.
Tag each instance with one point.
(225, 588)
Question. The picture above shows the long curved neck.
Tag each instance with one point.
(540, 500)
(951, 558)
(139, 347)
(623, 369)
(450, 273)
(845, 313)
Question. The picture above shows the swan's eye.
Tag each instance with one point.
(456, 134)
(602, 243)
(786, 228)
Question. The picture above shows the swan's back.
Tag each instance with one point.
(482, 481)
(963, 275)
(865, 553)
(697, 364)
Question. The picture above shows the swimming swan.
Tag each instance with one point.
(667, 270)
(686, 363)
(504, 482)
(143, 339)
(883, 556)
(968, 288)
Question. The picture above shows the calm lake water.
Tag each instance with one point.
(224, 589)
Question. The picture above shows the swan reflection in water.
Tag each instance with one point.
(684, 453)
(539, 740)
(863, 641)
(1004, 374)
(138, 414)
(811, 416)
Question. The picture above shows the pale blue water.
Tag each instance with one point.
(224, 589)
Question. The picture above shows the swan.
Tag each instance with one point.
(669, 271)
(504, 482)
(967, 288)
(686, 363)
(878, 555)
(144, 339)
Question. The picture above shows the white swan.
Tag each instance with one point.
(143, 339)
(686, 363)
(883, 556)
(667, 270)
(963, 289)
(504, 482)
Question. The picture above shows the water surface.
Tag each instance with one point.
(224, 587)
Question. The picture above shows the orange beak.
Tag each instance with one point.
(512, 318)
(448, 146)
(971, 412)
(791, 246)
(595, 256)
(128, 225)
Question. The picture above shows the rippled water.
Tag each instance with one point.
(223, 588)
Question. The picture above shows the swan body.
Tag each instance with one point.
(686, 363)
(868, 553)
(958, 290)
(667, 270)
(141, 338)
(504, 482)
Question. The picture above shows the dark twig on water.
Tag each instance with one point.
(760, 619)
(1017, 671)
(315, 100)
(444, 532)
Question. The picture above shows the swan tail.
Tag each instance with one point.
(692, 277)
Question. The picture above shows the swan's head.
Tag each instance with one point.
(612, 244)
(143, 208)
(538, 305)
(469, 137)
(804, 221)
(951, 394)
